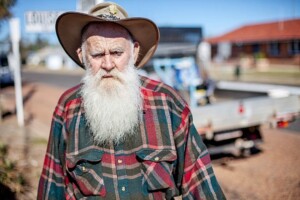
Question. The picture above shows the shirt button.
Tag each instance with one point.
(123, 189)
(156, 158)
(84, 169)
(120, 161)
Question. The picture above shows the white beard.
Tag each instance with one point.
(112, 104)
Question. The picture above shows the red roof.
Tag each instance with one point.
(274, 31)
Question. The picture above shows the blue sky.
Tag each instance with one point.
(214, 16)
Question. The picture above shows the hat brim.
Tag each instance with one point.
(69, 27)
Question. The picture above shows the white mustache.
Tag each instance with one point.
(116, 74)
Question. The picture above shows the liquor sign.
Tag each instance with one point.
(41, 21)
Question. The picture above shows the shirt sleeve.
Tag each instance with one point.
(51, 184)
(198, 180)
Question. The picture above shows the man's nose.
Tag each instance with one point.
(107, 63)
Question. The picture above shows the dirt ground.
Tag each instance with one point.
(274, 173)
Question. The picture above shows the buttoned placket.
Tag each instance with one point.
(121, 173)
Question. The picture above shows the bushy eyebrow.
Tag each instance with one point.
(117, 49)
(100, 50)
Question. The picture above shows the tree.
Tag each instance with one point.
(28, 47)
(5, 6)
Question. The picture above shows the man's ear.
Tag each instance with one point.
(136, 50)
(79, 54)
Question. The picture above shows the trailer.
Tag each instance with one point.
(234, 126)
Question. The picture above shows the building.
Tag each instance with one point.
(52, 57)
(175, 60)
(178, 42)
(175, 43)
(275, 42)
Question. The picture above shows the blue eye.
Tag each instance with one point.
(98, 55)
(116, 53)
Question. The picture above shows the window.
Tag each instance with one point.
(294, 47)
(274, 49)
(180, 35)
(255, 48)
(3, 61)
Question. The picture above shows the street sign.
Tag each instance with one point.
(41, 21)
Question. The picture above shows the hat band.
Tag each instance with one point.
(109, 17)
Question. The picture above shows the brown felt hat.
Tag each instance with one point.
(69, 27)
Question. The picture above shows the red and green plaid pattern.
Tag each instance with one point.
(165, 158)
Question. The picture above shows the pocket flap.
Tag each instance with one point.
(91, 155)
(157, 155)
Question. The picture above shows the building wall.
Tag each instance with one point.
(274, 51)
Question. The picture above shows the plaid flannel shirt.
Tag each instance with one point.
(165, 159)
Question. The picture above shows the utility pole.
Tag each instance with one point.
(14, 59)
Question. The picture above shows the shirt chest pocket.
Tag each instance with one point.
(157, 168)
(85, 170)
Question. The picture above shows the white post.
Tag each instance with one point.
(15, 60)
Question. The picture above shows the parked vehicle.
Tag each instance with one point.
(234, 126)
(6, 75)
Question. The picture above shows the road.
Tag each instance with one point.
(61, 80)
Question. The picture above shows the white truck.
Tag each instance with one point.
(234, 126)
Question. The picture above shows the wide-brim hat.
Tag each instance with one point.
(69, 28)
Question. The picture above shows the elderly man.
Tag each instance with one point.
(118, 135)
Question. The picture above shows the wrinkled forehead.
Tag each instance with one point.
(106, 29)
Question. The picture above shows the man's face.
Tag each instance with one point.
(107, 47)
(111, 86)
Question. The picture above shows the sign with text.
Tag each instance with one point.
(41, 21)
